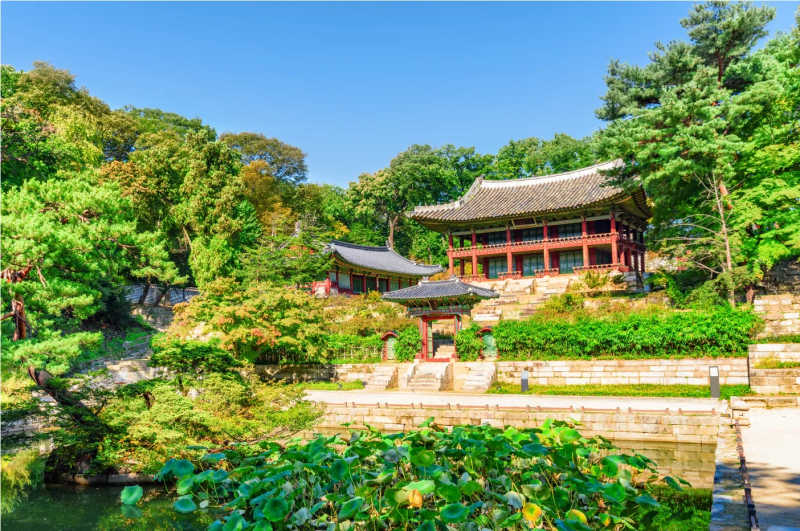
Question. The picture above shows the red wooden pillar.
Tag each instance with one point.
(635, 261)
(461, 266)
(474, 253)
(509, 263)
(614, 236)
(546, 249)
(450, 254)
(364, 283)
(641, 261)
(585, 245)
(423, 332)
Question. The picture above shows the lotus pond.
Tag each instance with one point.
(473, 477)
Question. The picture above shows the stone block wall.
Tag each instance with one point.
(690, 371)
(666, 425)
(774, 381)
(781, 314)
(683, 441)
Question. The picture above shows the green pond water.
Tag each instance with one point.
(69, 508)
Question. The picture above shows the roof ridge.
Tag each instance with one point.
(360, 246)
(554, 177)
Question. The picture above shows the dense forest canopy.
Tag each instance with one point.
(95, 198)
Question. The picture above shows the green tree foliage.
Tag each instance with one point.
(285, 163)
(81, 243)
(696, 127)
(260, 322)
(533, 156)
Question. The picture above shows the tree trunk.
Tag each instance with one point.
(719, 190)
(71, 404)
(392, 224)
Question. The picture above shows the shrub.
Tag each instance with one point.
(408, 345)
(190, 357)
(258, 323)
(468, 344)
(473, 477)
(566, 302)
(720, 332)
(353, 348)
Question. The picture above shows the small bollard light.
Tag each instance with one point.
(524, 383)
(713, 376)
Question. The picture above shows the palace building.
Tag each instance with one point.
(564, 223)
(362, 268)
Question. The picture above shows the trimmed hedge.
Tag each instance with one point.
(468, 345)
(408, 345)
(720, 332)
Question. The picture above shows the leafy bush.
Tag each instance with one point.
(19, 472)
(468, 345)
(364, 315)
(352, 348)
(470, 477)
(258, 323)
(228, 409)
(408, 345)
(720, 332)
(190, 357)
(566, 302)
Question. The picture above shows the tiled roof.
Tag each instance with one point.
(380, 259)
(534, 195)
(439, 289)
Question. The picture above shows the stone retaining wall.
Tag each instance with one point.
(690, 371)
(683, 442)
(774, 381)
(631, 425)
(781, 314)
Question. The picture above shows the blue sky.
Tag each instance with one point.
(352, 84)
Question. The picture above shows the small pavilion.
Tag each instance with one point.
(434, 300)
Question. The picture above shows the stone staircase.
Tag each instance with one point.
(430, 377)
(383, 377)
(518, 302)
(480, 378)
(444, 351)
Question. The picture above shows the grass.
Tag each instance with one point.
(788, 338)
(686, 391)
(331, 386)
(775, 363)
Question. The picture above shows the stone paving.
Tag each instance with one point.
(589, 402)
(773, 461)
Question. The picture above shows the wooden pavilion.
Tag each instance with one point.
(569, 222)
(435, 300)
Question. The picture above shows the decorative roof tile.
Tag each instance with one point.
(380, 259)
(487, 199)
(439, 289)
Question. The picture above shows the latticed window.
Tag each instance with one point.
(531, 235)
(532, 263)
(494, 238)
(567, 260)
(358, 283)
(496, 266)
(569, 230)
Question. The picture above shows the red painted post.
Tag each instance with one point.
(545, 237)
(614, 237)
(509, 263)
(474, 253)
(585, 245)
